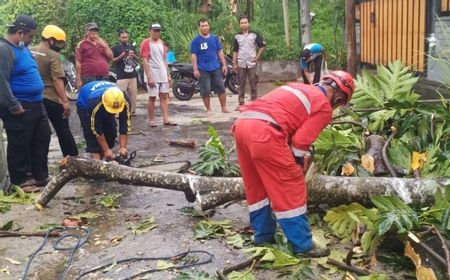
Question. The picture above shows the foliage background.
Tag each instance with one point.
(178, 19)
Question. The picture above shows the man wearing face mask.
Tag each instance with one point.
(21, 107)
(92, 57)
(125, 61)
(51, 69)
(285, 122)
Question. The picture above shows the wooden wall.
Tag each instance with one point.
(393, 29)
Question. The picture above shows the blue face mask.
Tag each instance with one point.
(21, 44)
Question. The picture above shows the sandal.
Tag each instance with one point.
(30, 189)
(152, 124)
(170, 123)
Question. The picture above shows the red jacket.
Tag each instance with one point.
(302, 111)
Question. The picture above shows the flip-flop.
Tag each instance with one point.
(30, 189)
(152, 124)
(170, 123)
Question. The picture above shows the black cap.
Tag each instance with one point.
(24, 21)
(91, 26)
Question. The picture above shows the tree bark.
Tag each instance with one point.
(350, 32)
(286, 23)
(305, 22)
(3, 166)
(209, 192)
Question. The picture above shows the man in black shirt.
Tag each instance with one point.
(125, 62)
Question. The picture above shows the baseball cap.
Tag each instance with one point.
(155, 26)
(24, 21)
(91, 26)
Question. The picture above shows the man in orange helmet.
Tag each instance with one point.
(273, 137)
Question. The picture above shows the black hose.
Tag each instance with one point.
(80, 242)
(134, 259)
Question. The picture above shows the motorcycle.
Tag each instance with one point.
(185, 85)
(140, 76)
(69, 79)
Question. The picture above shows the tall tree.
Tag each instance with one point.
(305, 19)
(286, 22)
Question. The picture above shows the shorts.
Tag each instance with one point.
(211, 81)
(109, 131)
(157, 89)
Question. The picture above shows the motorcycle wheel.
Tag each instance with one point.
(232, 83)
(180, 94)
(71, 93)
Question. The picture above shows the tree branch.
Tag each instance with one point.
(384, 154)
(445, 248)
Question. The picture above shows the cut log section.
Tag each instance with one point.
(182, 143)
(209, 192)
(372, 160)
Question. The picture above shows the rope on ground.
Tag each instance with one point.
(172, 258)
(80, 239)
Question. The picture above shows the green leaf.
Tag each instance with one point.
(399, 155)
(236, 275)
(4, 207)
(18, 196)
(7, 226)
(210, 229)
(394, 213)
(236, 240)
(282, 259)
(375, 276)
(193, 212)
(194, 275)
(163, 265)
(144, 226)
(344, 219)
(47, 227)
(110, 200)
(436, 214)
(276, 258)
(338, 139)
(88, 215)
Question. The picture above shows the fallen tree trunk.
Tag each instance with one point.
(209, 192)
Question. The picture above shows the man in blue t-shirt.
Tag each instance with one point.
(312, 53)
(21, 107)
(97, 104)
(206, 51)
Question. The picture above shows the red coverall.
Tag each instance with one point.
(268, 132)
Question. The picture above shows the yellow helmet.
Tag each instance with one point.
(114, 100)
(53, 31)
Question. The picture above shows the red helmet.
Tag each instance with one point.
(343, 80)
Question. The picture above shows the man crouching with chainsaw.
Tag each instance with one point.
(98, 103)
(273, 137)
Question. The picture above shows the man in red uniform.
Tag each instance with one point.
(273, 137)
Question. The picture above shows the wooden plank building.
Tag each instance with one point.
(402, 29)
